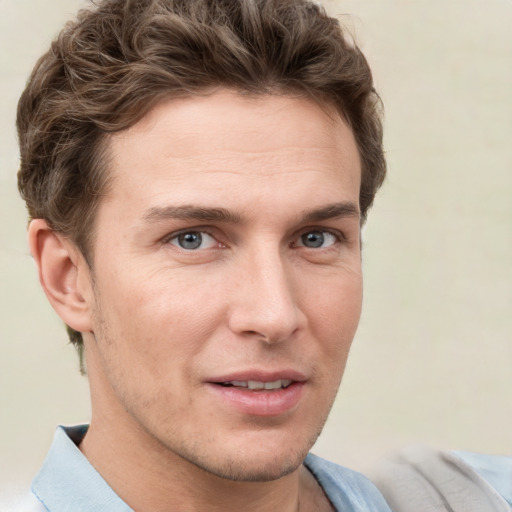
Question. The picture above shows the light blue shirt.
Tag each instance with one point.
(67, 482)
(494, 469)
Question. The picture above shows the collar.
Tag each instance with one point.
(68, 482)
(346, 489)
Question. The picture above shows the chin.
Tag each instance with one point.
(255, 459)
(259, 469)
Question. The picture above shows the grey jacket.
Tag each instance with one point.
(424, 480)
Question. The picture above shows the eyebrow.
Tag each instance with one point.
(190, 212)
(205, 214)
(332, 211)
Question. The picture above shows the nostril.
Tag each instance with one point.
(257, 334)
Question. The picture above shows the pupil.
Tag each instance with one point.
(313, 239)
(190, 240)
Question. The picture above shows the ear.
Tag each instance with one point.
(64, 275)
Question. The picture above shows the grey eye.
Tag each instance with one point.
(317, 239)
(313, 239)
(190, 241)
(193, 240)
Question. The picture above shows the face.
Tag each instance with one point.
(227, 280)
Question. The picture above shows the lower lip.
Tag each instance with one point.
(260, 402)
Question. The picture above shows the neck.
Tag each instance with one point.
(149, 479)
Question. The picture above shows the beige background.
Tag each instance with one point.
(432, 359)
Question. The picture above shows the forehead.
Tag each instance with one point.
(201, 145)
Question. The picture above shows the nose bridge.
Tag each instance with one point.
(266, 303)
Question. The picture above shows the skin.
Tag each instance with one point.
(162, 322)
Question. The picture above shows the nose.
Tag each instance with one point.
(265, 303)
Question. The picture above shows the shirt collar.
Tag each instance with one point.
(68, 482)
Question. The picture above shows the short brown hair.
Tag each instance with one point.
(111, 65)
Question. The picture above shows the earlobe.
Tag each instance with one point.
(63, 274)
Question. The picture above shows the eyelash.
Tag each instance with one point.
(338, 236)
(201, 234)
(196, 230)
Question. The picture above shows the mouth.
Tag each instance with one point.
(259, 393)
(256, 385)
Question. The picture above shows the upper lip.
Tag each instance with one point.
(260, 376)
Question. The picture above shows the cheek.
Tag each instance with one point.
(336, 307)
(337, 318)
(334, 314)
(157, 319)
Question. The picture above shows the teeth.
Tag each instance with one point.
(256, 385)
(239, 383)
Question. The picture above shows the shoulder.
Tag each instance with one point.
(420, 477)
(24, 503)
(494, 469)
(345, 488)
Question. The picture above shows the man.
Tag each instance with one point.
(197, 174)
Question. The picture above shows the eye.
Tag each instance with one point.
(317, 239)
(193, 240)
